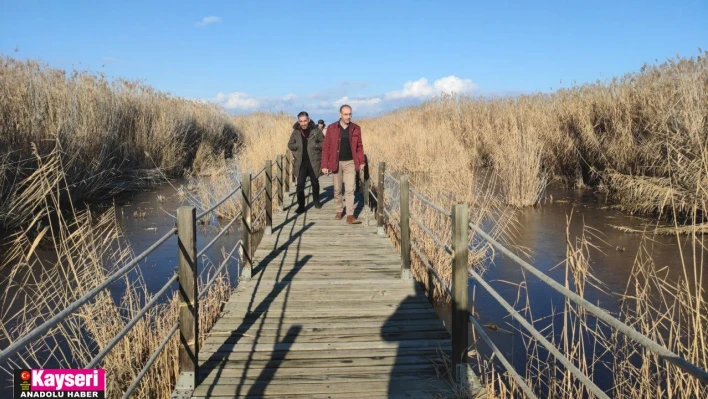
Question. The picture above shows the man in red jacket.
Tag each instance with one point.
(343, 155)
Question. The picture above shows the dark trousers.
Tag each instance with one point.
(305, 172)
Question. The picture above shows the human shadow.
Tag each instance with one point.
(277, 357)
(417, 368)
(252, 322)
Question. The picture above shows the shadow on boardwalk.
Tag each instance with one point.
(326, 314)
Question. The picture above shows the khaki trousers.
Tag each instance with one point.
(347, 173)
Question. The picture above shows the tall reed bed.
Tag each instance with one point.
(112, 135)
(642, 138)
(56, 259)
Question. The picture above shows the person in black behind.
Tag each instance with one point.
(306, 144)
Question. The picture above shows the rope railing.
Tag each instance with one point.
(431, 235)
(221, 201)
(430, 203)
(185, 229)
(258, 173)
(151, 361)
(507, 366)
(642, 339)
(37, 332)
(406, 217)
(94, 362)
(218, 235)
(223, 264)
(259, 193)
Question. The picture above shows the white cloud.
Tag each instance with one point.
(325, 104)
(237, 101)
(289, 97)
(354, 102)
(209, 20)
(421, 89)
(452, 84)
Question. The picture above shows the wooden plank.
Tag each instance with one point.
(284, 368)
(373, 284)
(353, 336)
(362, 387)
(314, 378)
(327, 358)
(329, 300)
(378, 344)
(321, 332)
(371, 307)
(369, 395)
(405, 325)
(325, 314)
(237, 321)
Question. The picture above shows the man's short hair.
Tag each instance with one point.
(303, 113)
(344, 106)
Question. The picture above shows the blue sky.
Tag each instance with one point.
(314, 55)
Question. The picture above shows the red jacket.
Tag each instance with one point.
(330, 148)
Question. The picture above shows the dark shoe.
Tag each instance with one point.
(339, 216)
(301, 199)
(318, 205)
(352, 220)
(300, 209)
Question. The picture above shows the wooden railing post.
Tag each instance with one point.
(405, 229)
(287, 171)
(281, 174)
(380, 199)
(365, 186)
(460, 300)
(246, 225)
(188, 315)
(269, 197)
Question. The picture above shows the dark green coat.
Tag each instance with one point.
(314, 148)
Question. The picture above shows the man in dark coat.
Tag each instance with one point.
(306, 144)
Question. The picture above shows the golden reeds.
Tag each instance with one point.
(56, 259)
(111, 134)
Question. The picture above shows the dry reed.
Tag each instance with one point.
(55, 260)
(643, 137)
(112, 135)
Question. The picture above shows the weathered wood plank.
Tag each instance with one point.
(353, 336)
(296, 346)
(363, 386)
(369, 395)
(325, 314)
(284, 368)
(404, 325)
(328, 358)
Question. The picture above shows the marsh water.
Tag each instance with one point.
(539, 231)
(540, 235)
(144, 217)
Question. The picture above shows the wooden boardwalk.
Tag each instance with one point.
(326, 314)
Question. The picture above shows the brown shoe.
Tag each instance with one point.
(352, 220)
(339, 216)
